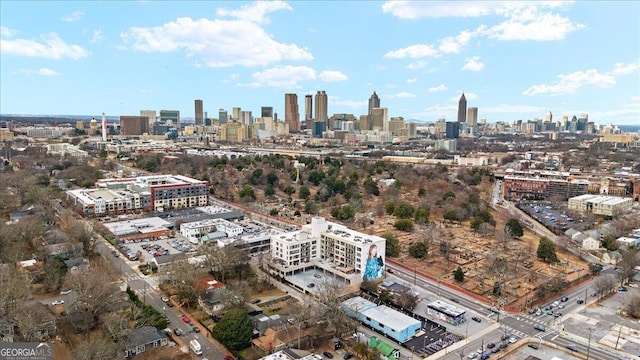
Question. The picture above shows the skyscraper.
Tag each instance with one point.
(321, 106)
(223, 116)
(151, 115)
(171, 115)
(472, 116)
(378, 119)
(374, 102)
(134, 125)
(267, 111)
(199, 113)
(452, 130)
(462, 109)
(291, 112)
(235, 113)
(308, 107)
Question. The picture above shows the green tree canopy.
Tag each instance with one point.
(514, 228)
(404, 225)
(458, 275)
(304, 192)
(419, 250)
(547, 250)
(234, 330)
(403, 210)
(393, 245)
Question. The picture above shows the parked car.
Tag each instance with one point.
(633, 285)
(328, 355)
(165, 299)
(565, 299)
(177, 331)
(532, 311)
(311, 285)
(513, 340)
(255, 301)
(485, 356)
(580, 301)
(476, 319)
(454, 300)
(57, 302)
(186, 319)
(572, 347)
(196, 329)
(472, 355)
(533, 346)
(348, 356)
(622, 289)
(491, 345)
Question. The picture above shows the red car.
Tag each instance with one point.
(186, 319)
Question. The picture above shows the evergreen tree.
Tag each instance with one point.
(234, 330)
(547, 250)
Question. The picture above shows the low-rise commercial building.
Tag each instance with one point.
(196, 231)
(601, 204)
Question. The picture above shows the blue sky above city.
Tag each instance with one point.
(513, 60)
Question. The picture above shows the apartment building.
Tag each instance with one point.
(196, 231)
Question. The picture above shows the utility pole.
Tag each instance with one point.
(618, 339)
(589, 344)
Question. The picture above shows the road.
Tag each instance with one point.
(146, 289)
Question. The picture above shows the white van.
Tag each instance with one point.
(195, 347)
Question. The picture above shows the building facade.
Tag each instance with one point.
(134, 125)
(199, 112)
(144, 193)
(462, 109)
(321, 106)
(291, 112)
(172, 116)
(348, 254)
(601, 204)
(195, 231)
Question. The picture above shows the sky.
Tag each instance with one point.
(513, 60)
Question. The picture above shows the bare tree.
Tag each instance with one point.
(630, 258)
(604, 284)
(632, 306)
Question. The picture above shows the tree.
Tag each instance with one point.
(403, 210)
(392, 247)
(458, 275)
(407, 299)
(304, 192)
(451, 215)
(247, 193)
(54, 272)
(514, 228)
(421, 216)
(234, 330)
(272, 178)
(633, 306)
(404, 225)
(371, 187)
(419, 250)
(629, 259)
(390, 206)
(315, 177)
(595, 268)
(547, 251)
(269, 191)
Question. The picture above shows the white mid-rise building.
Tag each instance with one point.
(332, 247)
(605, 205)
(195, 231)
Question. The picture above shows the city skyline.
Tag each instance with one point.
(513, 61)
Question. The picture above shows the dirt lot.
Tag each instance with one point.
(517, 269)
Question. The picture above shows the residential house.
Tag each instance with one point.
(35, 322)
(628, 242)
(143, 338)
(66, 250)
(588, 243)
(212, 300)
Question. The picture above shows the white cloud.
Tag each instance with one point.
(47, 72)
(453, 44)
(473, 64)
(413, 10)
(624, 69)
(528, 21)
(411, 81)
(256, 12)
(218, 43)
(97, 37)
(332, 76)
(400, 95)
(570, 83)
(51, 47)
(441, 87)
(313, 30)
(41, 72)
(413, 51)
(441, 110)
(287, 76)
(74, 16)
(421, 64)
(334, 100)
(5, 32)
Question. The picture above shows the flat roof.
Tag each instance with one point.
(391, 318)
(446, 308)
(134, 226)
(358, 304)
(601, 199)
(210, 222)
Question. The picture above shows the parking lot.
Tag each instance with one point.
(150, 249)
(555, 217)
(608, 326)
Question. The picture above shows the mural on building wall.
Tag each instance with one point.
(374, 264)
